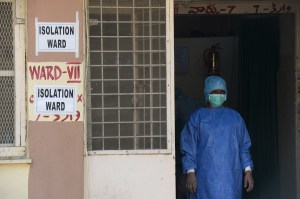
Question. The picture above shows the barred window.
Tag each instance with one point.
(7, 74)
(12, 78)
(127, 84)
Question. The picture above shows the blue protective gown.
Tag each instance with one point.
(215, 142)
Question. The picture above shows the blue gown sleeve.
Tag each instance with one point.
(188, 145)
(245, 144)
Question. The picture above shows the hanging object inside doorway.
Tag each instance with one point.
(211, 57)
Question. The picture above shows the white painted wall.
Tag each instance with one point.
(14, 181)
(130, 177)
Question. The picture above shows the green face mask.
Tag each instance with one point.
(216, 100)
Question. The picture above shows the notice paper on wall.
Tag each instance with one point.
(55, 99)
(57, 36)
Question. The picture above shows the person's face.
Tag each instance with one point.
(218, 91)
(216, 101)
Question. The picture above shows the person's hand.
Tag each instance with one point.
(191, 182)
(248, 181)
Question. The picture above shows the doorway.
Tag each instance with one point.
(274, 177)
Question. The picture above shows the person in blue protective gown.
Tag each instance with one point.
(215, 147)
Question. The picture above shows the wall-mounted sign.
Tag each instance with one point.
(51, 91)
(55, 99)
(57, 36)
(197, 7)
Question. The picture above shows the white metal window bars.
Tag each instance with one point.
(7, 75)
(12, 78)
(127, 106)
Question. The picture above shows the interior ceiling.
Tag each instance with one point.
(206, 25)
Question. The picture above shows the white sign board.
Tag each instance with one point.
(55, 99)
(57, 37)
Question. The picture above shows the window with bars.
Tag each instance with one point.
(12, 78)
(7, 74)
(127, 84)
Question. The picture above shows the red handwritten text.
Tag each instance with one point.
(60, 118)
(74, 74)
(54, 72)
(45, 72)
(196, 8)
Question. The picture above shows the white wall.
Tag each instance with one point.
(14, 181)
(130, 177)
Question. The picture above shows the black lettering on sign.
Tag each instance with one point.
(55, 93)
(56, 30)
(55, 106)
(56, 43)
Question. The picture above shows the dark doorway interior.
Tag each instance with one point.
(253, 56)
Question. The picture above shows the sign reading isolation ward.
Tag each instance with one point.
(57, 37)
(55, 100)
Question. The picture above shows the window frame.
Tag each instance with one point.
(169, 96)
(18, 148)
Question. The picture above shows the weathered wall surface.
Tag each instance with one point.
(55, 138)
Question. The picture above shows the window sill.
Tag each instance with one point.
(12, 152)
(15, 161)
(130, 152)
(13, 155)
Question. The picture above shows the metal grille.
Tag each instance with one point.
(7, 80)
(127, 75)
